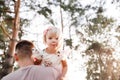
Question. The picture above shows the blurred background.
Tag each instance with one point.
(91, 32)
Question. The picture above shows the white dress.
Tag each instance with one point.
(51, 60)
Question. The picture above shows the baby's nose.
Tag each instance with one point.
(53, 40)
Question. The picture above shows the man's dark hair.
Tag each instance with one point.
(24, 49)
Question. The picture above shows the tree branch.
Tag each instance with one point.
(4, 30)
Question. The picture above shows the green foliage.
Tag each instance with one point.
(69, 42)
(100, 23)
(96, 46)
(100, 65)
(3, 8)
(4, 65)
(2, 42)
(6, 25)
(45, 11)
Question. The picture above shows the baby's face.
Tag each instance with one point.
(52, 39)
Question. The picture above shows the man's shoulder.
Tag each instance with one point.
(42, 69)
(15, 75)
(11, 75)
(40, 72)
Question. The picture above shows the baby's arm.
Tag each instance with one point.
(64, 70)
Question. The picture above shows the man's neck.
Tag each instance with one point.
(25, 62)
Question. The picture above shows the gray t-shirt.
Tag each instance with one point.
(33, 72)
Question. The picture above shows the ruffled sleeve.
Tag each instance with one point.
(37, 54)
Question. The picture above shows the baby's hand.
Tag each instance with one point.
(36, 57)
(62, 78)
(37, 61)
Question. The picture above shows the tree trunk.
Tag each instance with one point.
(14, 38)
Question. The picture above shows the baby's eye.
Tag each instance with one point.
(56, 38)
(50, 38)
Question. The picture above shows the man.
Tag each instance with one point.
(27, 70)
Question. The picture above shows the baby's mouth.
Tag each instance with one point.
(53, 44)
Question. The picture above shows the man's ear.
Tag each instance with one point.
(16, 57)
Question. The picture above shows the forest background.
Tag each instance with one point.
(91, 30)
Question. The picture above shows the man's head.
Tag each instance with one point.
(23, 50)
